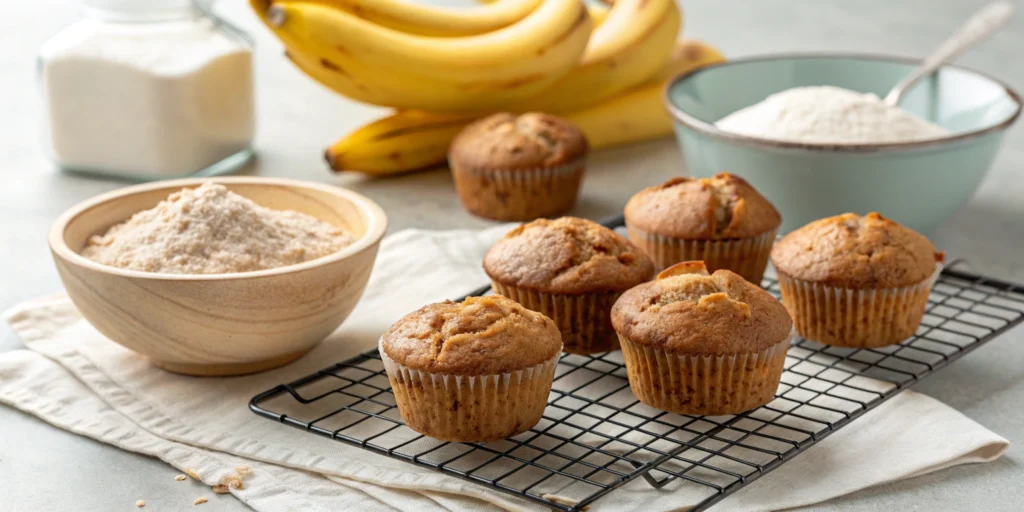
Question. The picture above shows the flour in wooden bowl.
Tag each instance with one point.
(211, 230)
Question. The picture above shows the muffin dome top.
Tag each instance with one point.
(851, 251)
(528, 141)
(567, 255)
(688, 311)
(479, 336)
(722, 207)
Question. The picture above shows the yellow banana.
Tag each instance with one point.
(640, 114)
(421, 19)
(598, 9)
(367, 82)
(426, 87)
(598, 13)
(627, 49)
(411, 140)
(333, 77)
(403, 142)
(637, 115)
(529, 54)
(627, 24)
(328, 70)
(687, 55)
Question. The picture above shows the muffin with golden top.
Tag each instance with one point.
(721, 221)
(572, 270)
(518, 168)
(472, 371)
(700, 343)
(856, 281)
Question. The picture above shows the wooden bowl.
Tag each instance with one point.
(220, 324)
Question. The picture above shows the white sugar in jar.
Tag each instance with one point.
(148, 89)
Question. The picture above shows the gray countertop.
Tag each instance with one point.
(47, 469)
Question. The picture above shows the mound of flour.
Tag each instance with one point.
(828, 115)
(211, 230)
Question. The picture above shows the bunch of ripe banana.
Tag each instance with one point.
(600, 67)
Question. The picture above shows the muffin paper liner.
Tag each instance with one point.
(747, 257)
(584, 320)
(848, 317)
(519, 194)
(704, 384)
(470, 408)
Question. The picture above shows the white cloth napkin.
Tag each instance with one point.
(75, 379)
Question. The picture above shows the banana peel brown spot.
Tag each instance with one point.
(512, 84)
(692, 51)
(330, 66)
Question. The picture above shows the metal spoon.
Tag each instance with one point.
(983, 24)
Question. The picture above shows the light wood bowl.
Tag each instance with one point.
(220, 324)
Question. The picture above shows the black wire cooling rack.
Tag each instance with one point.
(596, 437)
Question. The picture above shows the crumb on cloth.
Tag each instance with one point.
(562, 500)
(228, 482)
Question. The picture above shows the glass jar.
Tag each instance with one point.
(147, 90)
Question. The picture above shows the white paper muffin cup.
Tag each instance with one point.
(712, 384)
(856, 318)
(519, 194)
(584, 319)
(747, 257)
(470, 408)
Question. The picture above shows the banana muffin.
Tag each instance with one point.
(721, 221)
(472, 371)
(856, 281)
(572, 270)
(699, 343)
(518, 168)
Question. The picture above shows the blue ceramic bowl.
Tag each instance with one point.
(919, 184)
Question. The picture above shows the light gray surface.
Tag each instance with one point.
(44, 468)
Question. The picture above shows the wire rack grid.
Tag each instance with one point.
(595, 437)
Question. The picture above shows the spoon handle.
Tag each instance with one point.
(977, 28)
